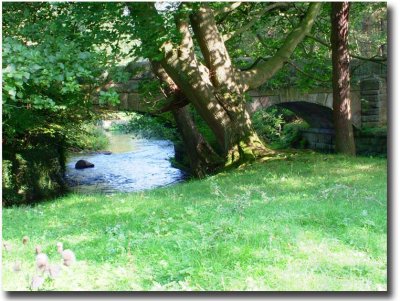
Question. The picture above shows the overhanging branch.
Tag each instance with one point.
(258, 75)
(259, 59)
(227, 9)
(375, 59)
(254, 20)
(308, 74)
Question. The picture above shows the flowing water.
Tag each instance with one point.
(133, 165)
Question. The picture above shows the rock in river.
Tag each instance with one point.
(81, 164)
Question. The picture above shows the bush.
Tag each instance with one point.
(268, 124)
(46, 97)
(91, 138)
(149, 127)
(279, 127)
(292, 135)
(34, 173)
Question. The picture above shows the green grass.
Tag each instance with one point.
(310, 222)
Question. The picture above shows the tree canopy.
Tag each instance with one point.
(206, 55)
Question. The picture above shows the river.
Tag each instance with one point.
(133, 165)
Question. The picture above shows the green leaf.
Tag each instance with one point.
(12, 92)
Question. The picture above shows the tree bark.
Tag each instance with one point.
(212, 89)
(344, 137)
(202, 157)
(217, 89)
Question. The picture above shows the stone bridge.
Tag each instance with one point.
(315, 106)
(368, 95)
(369, 102)
(369, 109)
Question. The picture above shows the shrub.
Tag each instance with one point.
(91, 138)
(292, 136)
(46, 92)
(33, 173)
(149, 127)
(279, 127)
(268, 124)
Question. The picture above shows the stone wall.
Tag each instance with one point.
(373, 94)
(323, 140)
(373, 98)
(319, 139)
(371, 144)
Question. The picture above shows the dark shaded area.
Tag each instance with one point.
(316, 116)
(33, 173)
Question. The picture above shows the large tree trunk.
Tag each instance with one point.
(202, 157)
(217, 89)
(344, 137)
(241, 142)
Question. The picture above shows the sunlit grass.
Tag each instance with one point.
(310, 222)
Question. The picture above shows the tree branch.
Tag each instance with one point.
(213, 48)
(171, 91)
(259, 59)
(262, 72)
(227, 9)
(254, 20)
(374, 59)
(308, 74)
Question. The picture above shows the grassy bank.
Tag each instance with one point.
(311, 222)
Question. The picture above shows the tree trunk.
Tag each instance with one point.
(344, 137)
(241, 143)
(202, 158)
(216, 89)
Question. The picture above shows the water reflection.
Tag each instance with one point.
(135, 164)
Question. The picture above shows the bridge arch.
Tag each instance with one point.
(314, 107)
(317, 116)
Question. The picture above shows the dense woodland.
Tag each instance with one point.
(206, 56)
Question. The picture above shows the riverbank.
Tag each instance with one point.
(311, 222)
(132, 164)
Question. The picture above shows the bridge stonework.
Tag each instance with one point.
(368, 104)
(373, 93)
(369, 110)
(314, 106)
(373, 114)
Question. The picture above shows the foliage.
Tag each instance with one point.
(279, 127)
(45, 87)
(268, 124)
(292, 135)
(368, 29)
(309, 223)
(149, 127)
(89, 138)
(378, 131)
(47, 90)
(368, 32)
(33, 173)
